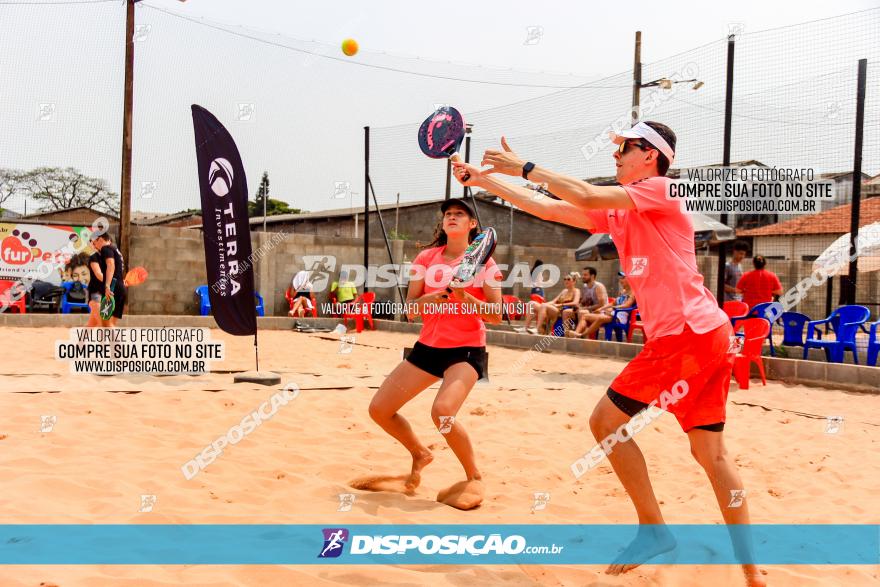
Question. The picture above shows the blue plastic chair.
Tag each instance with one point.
(204, 300)
(873, 344)
(66, 304)
(849, 320)
(769, 311)
(558, 329)
(616, 327)
(793, 324)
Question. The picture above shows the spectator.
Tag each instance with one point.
(301, 288)
(538, 285)
(345, 290)
(733, 272)
(593, 296)
(605, 314)
(568, 297)
(760, 285)
(76, 271)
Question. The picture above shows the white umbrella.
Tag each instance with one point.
(706, 230)
(837, 255)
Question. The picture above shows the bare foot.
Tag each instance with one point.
(464, 495)
(382, 483)
(650, 541)
(754, 576)
(420, 461)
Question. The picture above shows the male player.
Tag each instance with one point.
(689, 339)
(112, 269)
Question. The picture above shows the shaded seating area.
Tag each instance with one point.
(205, 302)
(769, 311)
(735, 309)
(8, 298)
(619, 325)
(755, 330)
(289, 295)
(873, 344)
(845, 322)
(361, 310)
(794, 324)
(75, 297)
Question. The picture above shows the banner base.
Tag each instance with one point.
(261, 377)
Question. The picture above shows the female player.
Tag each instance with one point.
(451, 348)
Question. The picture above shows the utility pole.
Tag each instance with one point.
(125, 188)
(397, 216)
(637, 78)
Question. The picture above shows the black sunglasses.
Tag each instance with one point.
(622, 149)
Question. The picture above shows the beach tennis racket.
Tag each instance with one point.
(108, 303)
(136, 276)
(441, 134)
(476, 255)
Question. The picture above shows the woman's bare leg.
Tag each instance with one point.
(458, 380)
(597, 321)
(403, 384)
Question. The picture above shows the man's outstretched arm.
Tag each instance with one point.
(535, 203)
(571, 189)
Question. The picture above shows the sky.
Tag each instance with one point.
(294, 103)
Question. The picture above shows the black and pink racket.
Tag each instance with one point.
(441, 134)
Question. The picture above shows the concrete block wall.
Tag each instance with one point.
(175, 259)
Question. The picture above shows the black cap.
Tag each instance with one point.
(460, 202)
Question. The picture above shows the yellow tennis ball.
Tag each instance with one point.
(349, 47)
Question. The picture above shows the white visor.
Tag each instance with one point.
(643, 131)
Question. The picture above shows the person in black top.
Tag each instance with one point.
(93, 289)
(112, 268)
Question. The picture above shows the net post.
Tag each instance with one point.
(366, 204)
(852, 278)
(728, 118)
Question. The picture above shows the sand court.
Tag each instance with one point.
(109, 441)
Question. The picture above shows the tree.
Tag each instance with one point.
(273, 207)
(55, 189)
(261, 195)
(9, 184)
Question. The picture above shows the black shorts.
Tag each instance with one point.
(436, 361)
(302, 294)
(631, 407)
(120, 296)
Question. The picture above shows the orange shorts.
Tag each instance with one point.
(686, 374)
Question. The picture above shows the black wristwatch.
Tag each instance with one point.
(527, 169)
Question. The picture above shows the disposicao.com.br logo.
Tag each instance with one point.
(334, 540)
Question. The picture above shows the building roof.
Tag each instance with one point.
(152, 219)
(483, 199)
(674, 172)
(37, 215)
(833, 221)
(842, 175)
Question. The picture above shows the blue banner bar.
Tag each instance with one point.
(246, 544)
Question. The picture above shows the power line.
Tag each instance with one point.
(348, 61)
(53, 2)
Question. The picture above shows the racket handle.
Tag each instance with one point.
(455, 157)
